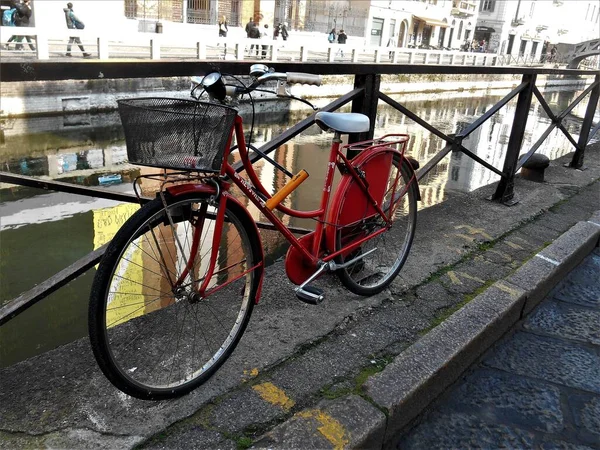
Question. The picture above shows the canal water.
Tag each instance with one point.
(43, 232)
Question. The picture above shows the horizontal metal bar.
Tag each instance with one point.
(59, 186)
(393, 103)
(434, 161)
(31, 297)
(290, 133)
(492, 111)
(96, 69)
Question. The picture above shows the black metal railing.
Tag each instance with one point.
(364, 97)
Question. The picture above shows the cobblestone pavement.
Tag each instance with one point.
(539, 387)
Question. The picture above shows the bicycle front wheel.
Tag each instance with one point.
(152, 337)
(386, 253)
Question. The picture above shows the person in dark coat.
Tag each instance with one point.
(22, 16)
(284, 31)
(249, 25)
(72, 20)
(254, 33)
(341, 39)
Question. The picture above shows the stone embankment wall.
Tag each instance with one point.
(40, 98)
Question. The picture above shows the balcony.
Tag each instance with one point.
(463, 8)
(518, 22)
(541, 28)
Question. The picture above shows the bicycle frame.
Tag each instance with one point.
(312, 255)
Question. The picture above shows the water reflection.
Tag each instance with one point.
(61, 228)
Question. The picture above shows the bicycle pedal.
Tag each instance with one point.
(310, 295)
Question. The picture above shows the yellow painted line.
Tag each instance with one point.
(454, 278)
(520, 239)
(501, 254)
(252, 372)
(275, 396)
(513, 245)
(471, 277)
(465, 237)
(510, 291)
(454, 249)
(330, 428)
(472, 230)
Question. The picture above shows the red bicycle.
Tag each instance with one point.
(176, 287)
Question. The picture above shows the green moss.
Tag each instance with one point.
(243, 442)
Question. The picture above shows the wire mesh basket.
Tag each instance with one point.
(176, 133)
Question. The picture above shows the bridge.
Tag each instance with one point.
(582, 51)
(304, 47)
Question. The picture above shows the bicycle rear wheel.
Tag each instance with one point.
(150, 336)
(387, 252)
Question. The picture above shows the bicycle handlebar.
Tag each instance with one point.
(289, 77)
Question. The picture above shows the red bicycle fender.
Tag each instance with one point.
(336, 201)
(188, 188)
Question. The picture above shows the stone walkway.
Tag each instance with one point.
(539, 387)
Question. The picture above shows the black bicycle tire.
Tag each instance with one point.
(98, 296)
(343, 275)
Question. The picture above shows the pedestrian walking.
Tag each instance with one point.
(342, 38)
(249, 26)
(254, 33)
(265, 36)
(21, 17)
(391, 43)
(223, 29)
(284, 31)
(331, 36)
(276, 31)
(73, 23)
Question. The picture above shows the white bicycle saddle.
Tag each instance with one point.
(343, 122)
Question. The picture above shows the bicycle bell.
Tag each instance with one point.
(256, 70)
(214, 86)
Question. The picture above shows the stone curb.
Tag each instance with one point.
(427, 368)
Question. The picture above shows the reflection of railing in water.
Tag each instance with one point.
(363, 97)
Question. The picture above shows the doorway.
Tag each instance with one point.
(376, 31)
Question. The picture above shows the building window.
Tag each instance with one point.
(522, 47)
(534, 47)
(460, 25)
(532, 9)
(198, 11)
(487, 5)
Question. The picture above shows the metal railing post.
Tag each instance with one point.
(41, 45)
(366, 104)
(330, 54)
(354, 55)
(103, 47)
(505, 190)
(303, 53)
(577, 161)
(201, 50)
(154, 49)
(274, 49)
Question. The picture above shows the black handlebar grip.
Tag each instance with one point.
(303, 78)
